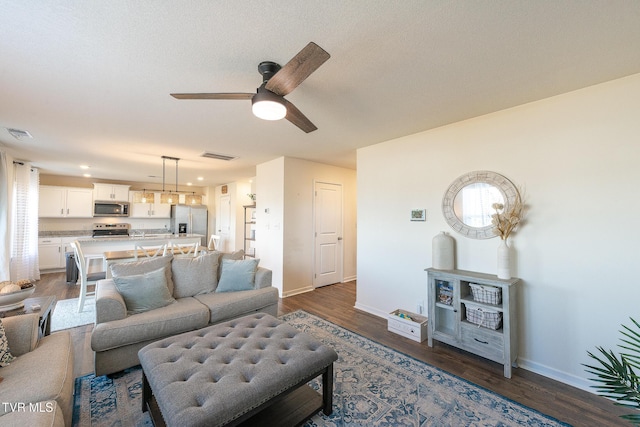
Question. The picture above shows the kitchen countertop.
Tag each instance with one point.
(65, 233)
(140, 237)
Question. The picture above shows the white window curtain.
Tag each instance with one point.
(5, 234)
(24, 242)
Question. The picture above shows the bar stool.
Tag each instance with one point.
(85, 277)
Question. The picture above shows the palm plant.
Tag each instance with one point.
(616, 375)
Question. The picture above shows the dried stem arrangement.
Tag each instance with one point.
(505, 223)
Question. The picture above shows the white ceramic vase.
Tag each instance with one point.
(504, 260)
(443, 252)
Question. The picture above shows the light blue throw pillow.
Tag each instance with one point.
(237, 275)
(144, 292)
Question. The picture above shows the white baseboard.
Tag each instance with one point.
(297, 291)
(371, 310)
(546, 371)
(349, 279)
(554, 374)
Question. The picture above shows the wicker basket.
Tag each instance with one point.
(486, 294)
(484, 317)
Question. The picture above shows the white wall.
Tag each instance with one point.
(284, 234)
(269, 218)
(300, 179)
(577, 156)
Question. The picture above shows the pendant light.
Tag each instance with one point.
(168, 197)
(193, 199)
(143, 197)
(173, 197)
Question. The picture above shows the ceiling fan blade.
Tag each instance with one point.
(297, 69)
(296, 117)
(213, 95)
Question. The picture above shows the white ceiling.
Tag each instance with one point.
(90, 80)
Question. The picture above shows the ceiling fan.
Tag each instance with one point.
(268, 102)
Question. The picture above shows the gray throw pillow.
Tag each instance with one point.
(194, 275)
(237, 275)
(144, 266)
(144, 292)
(5, 354)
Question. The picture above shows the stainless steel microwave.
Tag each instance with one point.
(107, 208)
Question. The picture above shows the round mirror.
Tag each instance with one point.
(467, 204)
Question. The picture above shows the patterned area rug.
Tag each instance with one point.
(374, 386)
(65, 314)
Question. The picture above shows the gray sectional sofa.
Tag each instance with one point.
(182, 294)
(37, 389)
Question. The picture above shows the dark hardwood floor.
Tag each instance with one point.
(336, 304)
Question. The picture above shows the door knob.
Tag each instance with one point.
(339, 238)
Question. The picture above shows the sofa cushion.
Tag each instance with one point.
(194, 275)
(186, 314)
(43, 374)
(237, 275)
(229, 305)
(5, 354)
(144, 266)
(144, 292)
(35, 414)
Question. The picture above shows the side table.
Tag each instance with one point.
(46, 304)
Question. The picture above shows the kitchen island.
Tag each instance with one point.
(99, 245)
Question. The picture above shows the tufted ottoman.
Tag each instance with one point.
(247, 370)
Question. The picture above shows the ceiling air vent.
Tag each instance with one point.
(217, 156)
(19, 134)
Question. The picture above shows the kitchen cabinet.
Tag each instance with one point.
(149, 210)
(65, 202)
(116, 193)
(52, 251)
(49, 250)
(484, 323)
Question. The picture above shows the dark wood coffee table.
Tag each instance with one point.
(46, 304)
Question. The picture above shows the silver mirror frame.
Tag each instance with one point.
(506, 187)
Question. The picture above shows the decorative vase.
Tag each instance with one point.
(504, 260)
(443, 252)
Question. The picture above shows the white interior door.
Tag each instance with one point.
(328, 234)
(224, 222)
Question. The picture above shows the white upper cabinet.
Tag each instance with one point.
(149, 210)
(52, 202)
(65, 202)
(79, 203)
(116, 193)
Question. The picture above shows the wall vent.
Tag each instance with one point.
(217, 156)
(19, 134)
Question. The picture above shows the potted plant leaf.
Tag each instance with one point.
(618, 375)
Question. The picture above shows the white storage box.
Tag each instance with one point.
(407, 324)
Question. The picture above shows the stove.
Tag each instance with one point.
(111, 230)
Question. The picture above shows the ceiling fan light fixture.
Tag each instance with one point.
(266, 105)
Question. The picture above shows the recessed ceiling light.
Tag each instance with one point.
(84, 167)
(189, 183)
(200, 178)
(86, 175)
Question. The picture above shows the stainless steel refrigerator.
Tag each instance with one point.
(190, 219)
